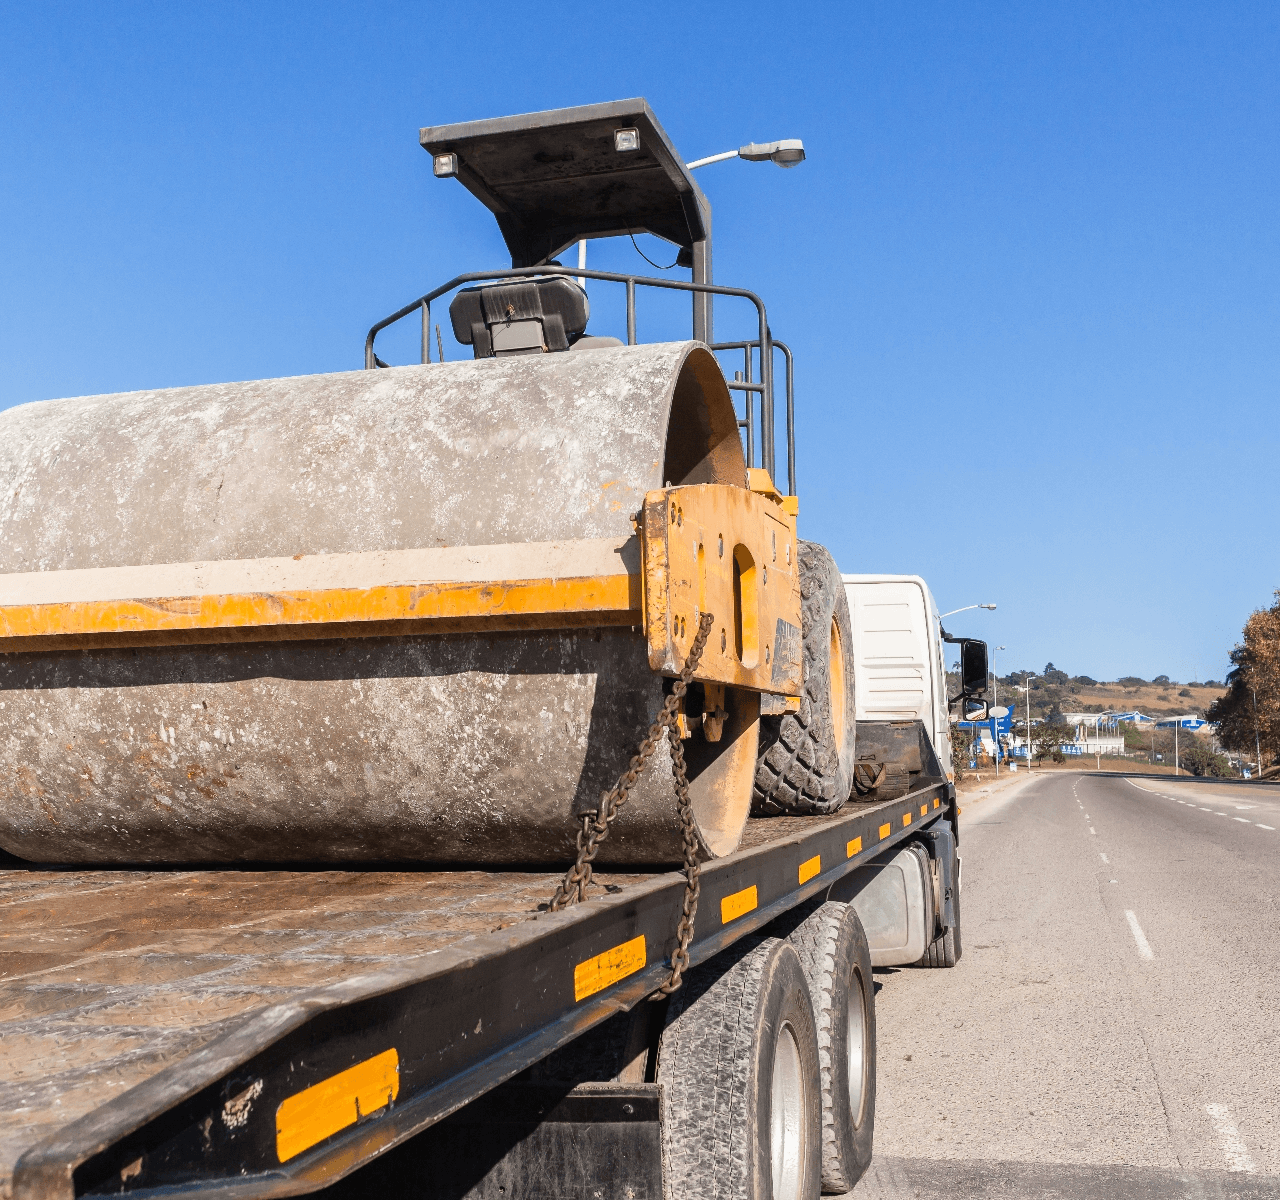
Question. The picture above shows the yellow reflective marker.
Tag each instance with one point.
(732, 907)
(810, 867)
(598, 973)
(885, 831)
(854, 847)
(924, 810)
(936, 802)
(906, 820)
(306, 1119)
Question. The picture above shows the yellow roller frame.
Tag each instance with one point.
(730, 552)
(717, 548)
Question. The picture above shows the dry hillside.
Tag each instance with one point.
(1155, 699)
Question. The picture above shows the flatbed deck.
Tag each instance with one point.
(267, 1032)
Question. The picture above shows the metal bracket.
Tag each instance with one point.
(730, 551)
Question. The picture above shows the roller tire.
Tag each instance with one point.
(715, 1062)
(805, 765)
(836, 958)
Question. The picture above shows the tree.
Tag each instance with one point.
(1248, 714)
(1048, 739)
(961, 751)
(1197, 758)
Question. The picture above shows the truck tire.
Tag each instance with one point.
(836, 958)
(806, 758)
(738, 1061)
(945, 951)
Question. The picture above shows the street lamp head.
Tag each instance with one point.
(992, 607)
(787, 153)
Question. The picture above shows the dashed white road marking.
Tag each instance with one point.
(1093, 831)
(1270, 827)
(1243, 807)
(1104, 858)
(1242, 820)
(1203, 809)
(1233, 1147)
(1144, 946)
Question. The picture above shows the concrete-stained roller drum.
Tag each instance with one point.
(469, 746)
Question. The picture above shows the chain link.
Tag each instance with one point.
(595, 826)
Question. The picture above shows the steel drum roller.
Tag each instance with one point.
(468, 747)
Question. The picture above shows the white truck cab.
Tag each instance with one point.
(899, 670)
(909, 898)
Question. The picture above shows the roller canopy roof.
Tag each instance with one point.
(553, 177)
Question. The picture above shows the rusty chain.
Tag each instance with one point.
(595, 826)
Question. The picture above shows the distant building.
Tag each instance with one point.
(1191, 722)
(1134, 718)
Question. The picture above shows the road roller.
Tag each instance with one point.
(425, 613)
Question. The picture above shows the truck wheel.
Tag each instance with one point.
(837, 963)
(945, 951)
(805, 766)
(738, 1061)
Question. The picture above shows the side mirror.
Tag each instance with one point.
(973, 667)
(975, 710)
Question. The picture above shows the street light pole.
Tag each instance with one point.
(1257, 739)
(1026, 687)
(966, 608)
(787, 153)
(1027, 681)
(995, 691)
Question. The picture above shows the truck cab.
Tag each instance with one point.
(899, 669)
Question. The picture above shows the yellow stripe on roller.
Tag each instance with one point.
(810, 867)
(885, 831)
(740, 903)
(906, 820)
(605, 969)
(306, 1119)
(854, 847)
(521, 598)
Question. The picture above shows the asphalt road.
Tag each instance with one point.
(1113, 1028)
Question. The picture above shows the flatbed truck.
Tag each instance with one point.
(256, 1029)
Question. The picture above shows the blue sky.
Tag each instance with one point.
(1031, 269)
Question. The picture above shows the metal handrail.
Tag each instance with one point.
(423, 303)
(774, 344)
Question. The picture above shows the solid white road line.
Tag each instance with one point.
(1144, 946)
(1237, 1153)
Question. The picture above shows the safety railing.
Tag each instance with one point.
(764, 388)
(742, 382)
